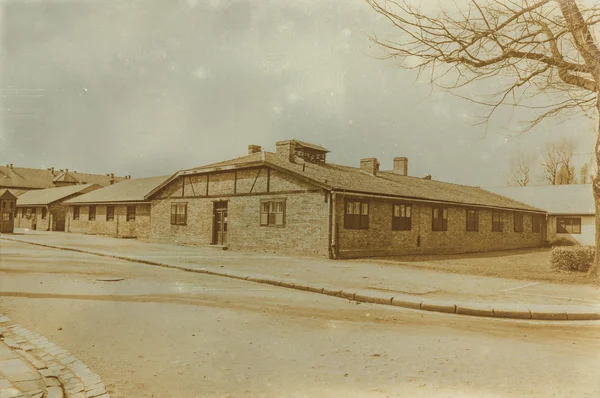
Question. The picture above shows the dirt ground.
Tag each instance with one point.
(167, 333)
(530, 264)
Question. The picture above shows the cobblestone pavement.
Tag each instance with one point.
(31, 366)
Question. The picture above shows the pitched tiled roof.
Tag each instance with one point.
(6, 194)
(22, 177)
(352, 179)
(555, 199)
(132, 190)
(51, 195)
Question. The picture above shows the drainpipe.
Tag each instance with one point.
(333, 226)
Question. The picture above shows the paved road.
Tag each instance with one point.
(361, 274)
(166, 333)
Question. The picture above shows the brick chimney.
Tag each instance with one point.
(369, 165)
(286, 151)
(252, 149)
(427, 176)
(112, 178)
(401, 166)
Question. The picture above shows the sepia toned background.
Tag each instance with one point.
(147, 87)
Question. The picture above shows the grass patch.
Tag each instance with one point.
(530, 265)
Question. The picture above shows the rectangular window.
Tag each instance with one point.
(110, 213)
(568, 225)
(179, 213)
(402, 218)
(92, 213)
(518, 217)
(497, 221)
(439, 219)
(356, 215)
(130, 213)
(75, 212)
(272, 212)
(473, 220)
(536, 223)
(44, 213)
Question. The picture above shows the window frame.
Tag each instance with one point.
(268, 218)
(112, 213)
(402, 222)
(497, 225)
(76, 212)
(356, 220)
(472, 225)
(92, 214)
(178, 218)
(130, 215)
(439, 224)
(518, 221)
(571, 225)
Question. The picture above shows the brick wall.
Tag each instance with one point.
(119, 227)
(306, 229)
(380, 239)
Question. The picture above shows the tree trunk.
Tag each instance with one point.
(594, 270)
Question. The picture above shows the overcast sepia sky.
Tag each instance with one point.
(147, 87)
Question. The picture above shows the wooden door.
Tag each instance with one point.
(220, 223)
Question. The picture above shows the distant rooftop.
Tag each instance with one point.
(49, 196)
(132, 190)
(27, 178)
(555, 199)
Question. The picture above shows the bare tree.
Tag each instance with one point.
(566, 175)
(519, 169)
(551, 163)
(557, 162)
(541, 50)
(585, 176)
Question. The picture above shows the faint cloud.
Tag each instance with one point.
(201, 73)
(276, 110)
(292, 97)
(288, 26)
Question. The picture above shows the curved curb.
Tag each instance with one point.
(64, 375)
(501, 310)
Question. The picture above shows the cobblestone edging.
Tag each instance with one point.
(547, 312)
(64, 375)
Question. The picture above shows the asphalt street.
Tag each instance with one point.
(156, 332)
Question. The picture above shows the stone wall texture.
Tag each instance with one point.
(306, 229)
(380, 239)
(119, 227)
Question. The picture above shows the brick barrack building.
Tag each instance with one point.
(293, 201)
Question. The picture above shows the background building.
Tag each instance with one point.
(119, 210)
(44, 209)
(571, 210)
(21, 179)
(8, 204)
